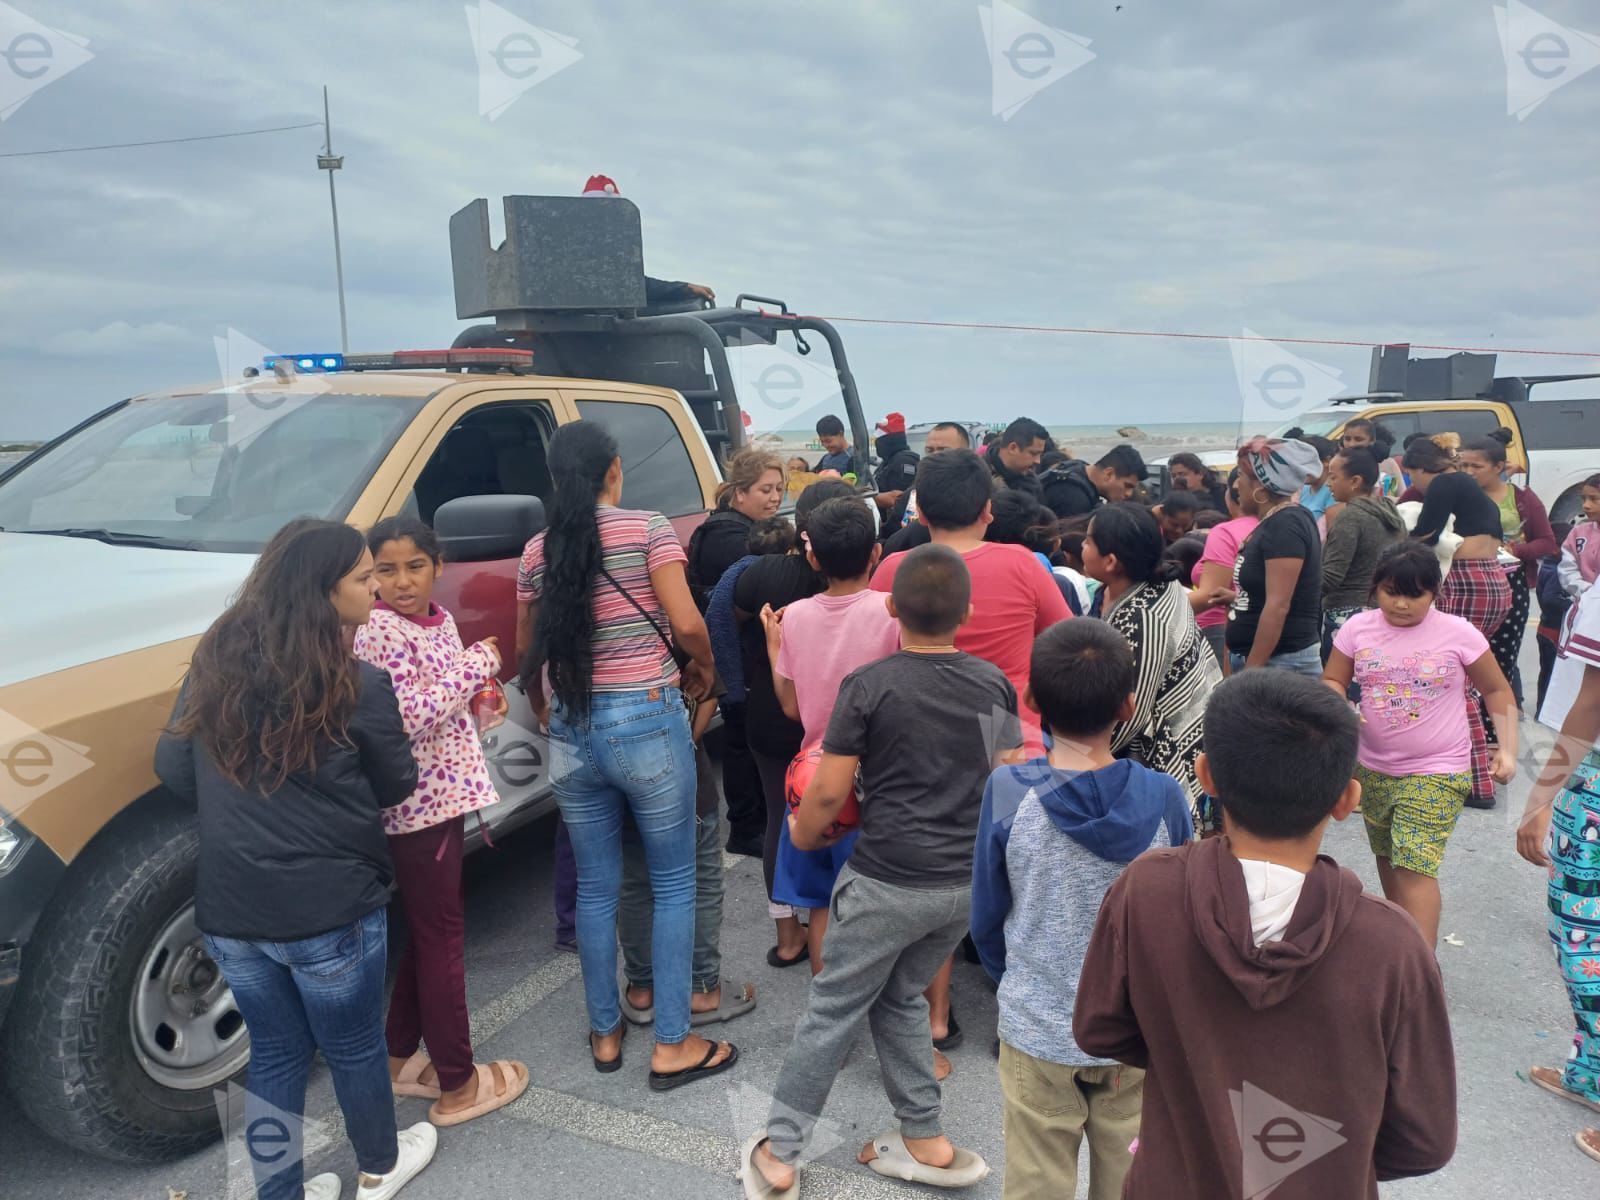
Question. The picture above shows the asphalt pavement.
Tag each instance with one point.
(579, 1133)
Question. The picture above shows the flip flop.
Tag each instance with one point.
(1550, 1080)
(409, 1081)
(953, 1036)
(774, 959)
(606, 1068)
(639, 1016)
(755, 1183)
(1588, 1141)
(893, 1161)
(514, 1075)
(665, 1081)
(742, 1002)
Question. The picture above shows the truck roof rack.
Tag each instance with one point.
(568, 283)
(1395, 376)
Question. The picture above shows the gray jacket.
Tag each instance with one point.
(1364, 529)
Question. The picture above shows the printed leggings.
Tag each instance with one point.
(1575, 918)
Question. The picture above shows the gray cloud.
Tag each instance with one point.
(1345, 172)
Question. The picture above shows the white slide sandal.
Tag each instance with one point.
(756, 1186)
(894, 1161)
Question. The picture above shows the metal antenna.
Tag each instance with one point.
(327, 161)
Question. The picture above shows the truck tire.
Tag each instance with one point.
(1568, 508)
(74, 1058)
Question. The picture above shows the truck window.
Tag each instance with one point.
(222, 471)
(497, 450)
(1470, 423)
(658, 473)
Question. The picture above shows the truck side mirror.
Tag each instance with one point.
(479, 528)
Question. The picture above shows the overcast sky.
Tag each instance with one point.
(1339, 171)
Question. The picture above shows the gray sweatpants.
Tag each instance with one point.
(883, 947)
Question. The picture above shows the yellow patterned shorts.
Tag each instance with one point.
(1410, 817)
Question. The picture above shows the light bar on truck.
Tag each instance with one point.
(405, 360)
(305, 364)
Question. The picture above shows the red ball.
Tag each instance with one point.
(798, 778)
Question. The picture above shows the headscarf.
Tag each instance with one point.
(1282, 466)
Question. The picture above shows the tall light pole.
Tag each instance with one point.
(327, 161)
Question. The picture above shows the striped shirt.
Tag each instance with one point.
(629, 655)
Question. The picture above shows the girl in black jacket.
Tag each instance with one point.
(288, 747)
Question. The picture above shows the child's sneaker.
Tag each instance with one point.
(417, 1145)
(323, 1187)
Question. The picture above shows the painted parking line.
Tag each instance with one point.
(326, 1130)
(516, 1001)
(688, 1145)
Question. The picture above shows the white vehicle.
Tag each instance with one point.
(1555, 443)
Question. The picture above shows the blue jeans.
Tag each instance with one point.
(1307, 662)
(633, 752)
(319, 993)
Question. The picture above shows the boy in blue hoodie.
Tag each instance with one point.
(1053, 836)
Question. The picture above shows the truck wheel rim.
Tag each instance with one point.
(187, 1031)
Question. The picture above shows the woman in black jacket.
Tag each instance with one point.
(753, 491)
(289, 747)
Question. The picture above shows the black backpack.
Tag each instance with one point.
(700, 587)
(1065, 486)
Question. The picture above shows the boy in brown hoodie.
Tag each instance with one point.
(1292, 1027)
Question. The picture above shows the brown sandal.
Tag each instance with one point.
(1589, 1142)
(1550, 1080)
(409, 1081)
(513, 1081)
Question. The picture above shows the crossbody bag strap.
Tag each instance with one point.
(628, 596)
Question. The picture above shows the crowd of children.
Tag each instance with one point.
(937, 749)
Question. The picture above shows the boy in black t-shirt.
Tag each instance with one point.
(925, 726)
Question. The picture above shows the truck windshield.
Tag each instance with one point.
(1317, 424)
(218, 471)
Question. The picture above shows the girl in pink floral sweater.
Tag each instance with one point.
(435, 678)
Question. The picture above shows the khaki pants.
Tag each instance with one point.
(1049, 1108)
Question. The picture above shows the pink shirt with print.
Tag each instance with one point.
(1413, 691)
(1222, 546)
(434, 678)
(824, 639)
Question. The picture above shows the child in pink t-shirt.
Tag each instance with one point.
(1414, 664)
(435, 679)
(813, 644)
(1580, 552)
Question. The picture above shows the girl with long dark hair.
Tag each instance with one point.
(603, 586)
(1144, 601)
(290, 749)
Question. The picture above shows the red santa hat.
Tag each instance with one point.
(601, 185)
(893, 423)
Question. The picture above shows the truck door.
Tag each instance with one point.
(485, 446)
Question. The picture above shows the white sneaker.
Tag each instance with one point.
(417, 1145)
(323, 1187)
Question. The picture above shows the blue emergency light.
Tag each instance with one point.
(306, 362)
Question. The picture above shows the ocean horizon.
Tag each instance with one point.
(1158, 437)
